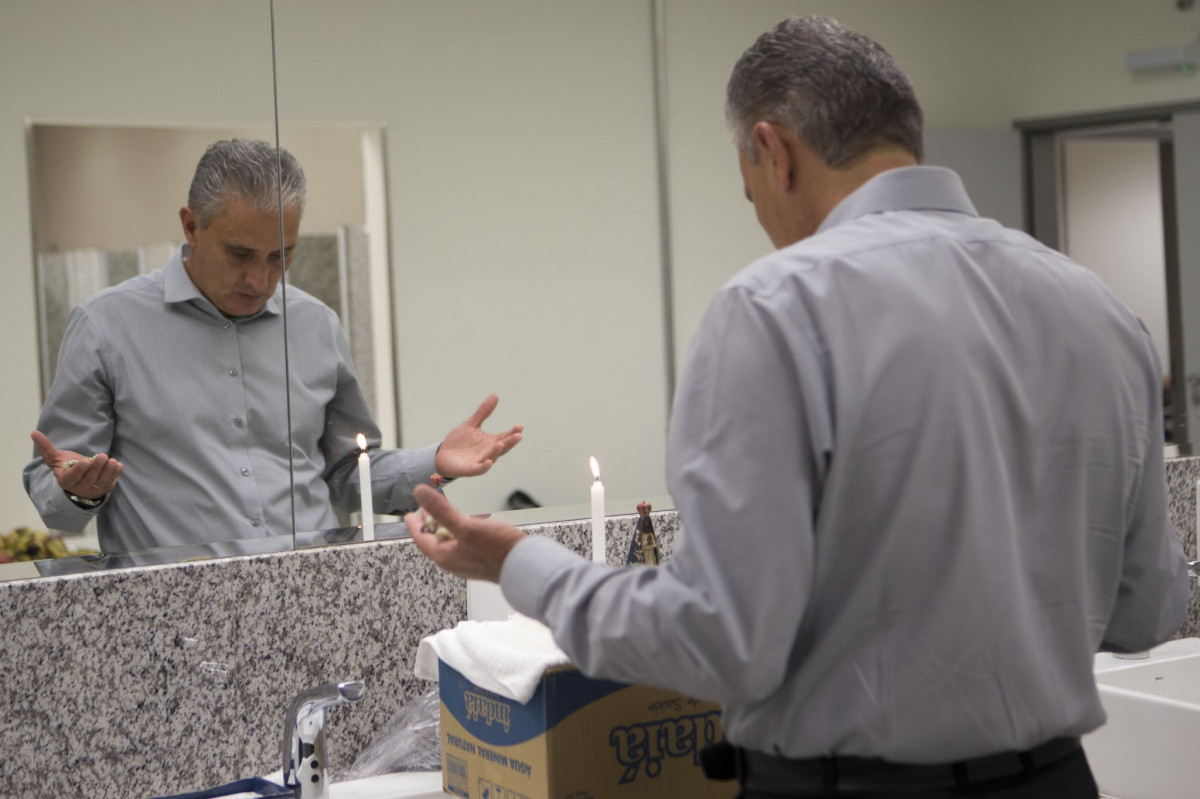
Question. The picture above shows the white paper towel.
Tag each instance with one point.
(505, 657)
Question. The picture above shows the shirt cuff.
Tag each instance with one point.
(63, 504)
(418, 469)
(528, 569)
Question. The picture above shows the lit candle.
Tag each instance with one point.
(598, 552)
(364, 483)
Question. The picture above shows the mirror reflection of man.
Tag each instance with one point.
(918, 457)
(168, 421)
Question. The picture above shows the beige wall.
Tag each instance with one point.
(521, 183)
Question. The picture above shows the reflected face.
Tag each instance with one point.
(236, 261)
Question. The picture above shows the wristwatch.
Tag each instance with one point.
(84, 502)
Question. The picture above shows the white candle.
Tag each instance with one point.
(599, 554)
(364, 483)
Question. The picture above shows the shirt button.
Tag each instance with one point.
(226, 325)
(233, 372)
(245, 471)
(238, 423)
(255, 522)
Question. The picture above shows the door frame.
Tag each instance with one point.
(1042, 178)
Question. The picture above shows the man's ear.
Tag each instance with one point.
(190, 222)
(774, 147)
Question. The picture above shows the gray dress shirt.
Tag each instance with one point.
(193, 404)
(918, 462)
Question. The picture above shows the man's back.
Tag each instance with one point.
(983, 435)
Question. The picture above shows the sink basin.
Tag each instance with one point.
(407, 785)
(412, 785)
(1147, 748)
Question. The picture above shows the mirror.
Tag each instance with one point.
(122, 64)
(528, 211)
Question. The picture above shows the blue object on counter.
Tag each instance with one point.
(265, 789)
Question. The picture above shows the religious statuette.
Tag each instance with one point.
(643, 548)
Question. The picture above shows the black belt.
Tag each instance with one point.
(759, 771)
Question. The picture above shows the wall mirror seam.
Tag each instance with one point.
(467, 252)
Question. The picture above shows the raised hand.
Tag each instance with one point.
(468, 546)
(89, 477)
(468, 450)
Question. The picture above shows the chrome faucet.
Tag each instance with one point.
(1194, 567)
(304, 737)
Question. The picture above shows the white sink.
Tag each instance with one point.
(1149, 746)
(408, 785)
(412, 785)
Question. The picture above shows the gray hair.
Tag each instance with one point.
(840, 92)
(248, 169)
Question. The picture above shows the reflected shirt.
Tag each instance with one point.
(917, 459)
(193, 404)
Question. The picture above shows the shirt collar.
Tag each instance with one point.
(910, 188)
(178, 287)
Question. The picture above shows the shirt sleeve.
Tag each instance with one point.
(394, 472)
(77, 416)
(719, 619)
(1152, 598)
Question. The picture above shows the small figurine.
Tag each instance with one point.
(643, 548)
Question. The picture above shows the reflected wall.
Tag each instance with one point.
(522, 218)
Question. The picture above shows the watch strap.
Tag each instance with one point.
(84, 502)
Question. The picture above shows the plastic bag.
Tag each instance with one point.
(409, 742)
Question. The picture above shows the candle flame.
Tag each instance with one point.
(595, 467)
(362, 442)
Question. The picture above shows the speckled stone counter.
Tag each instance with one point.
(165, 679)
(1182, 476)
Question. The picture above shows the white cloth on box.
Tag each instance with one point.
(505, 657)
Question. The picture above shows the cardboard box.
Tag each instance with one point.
(577, 738)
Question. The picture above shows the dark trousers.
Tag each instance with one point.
(1069, 778)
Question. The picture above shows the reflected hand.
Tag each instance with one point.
(476, 547)
(87, 477)
(468, 451)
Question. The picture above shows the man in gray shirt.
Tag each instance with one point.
(168, 421)
(918, 461)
